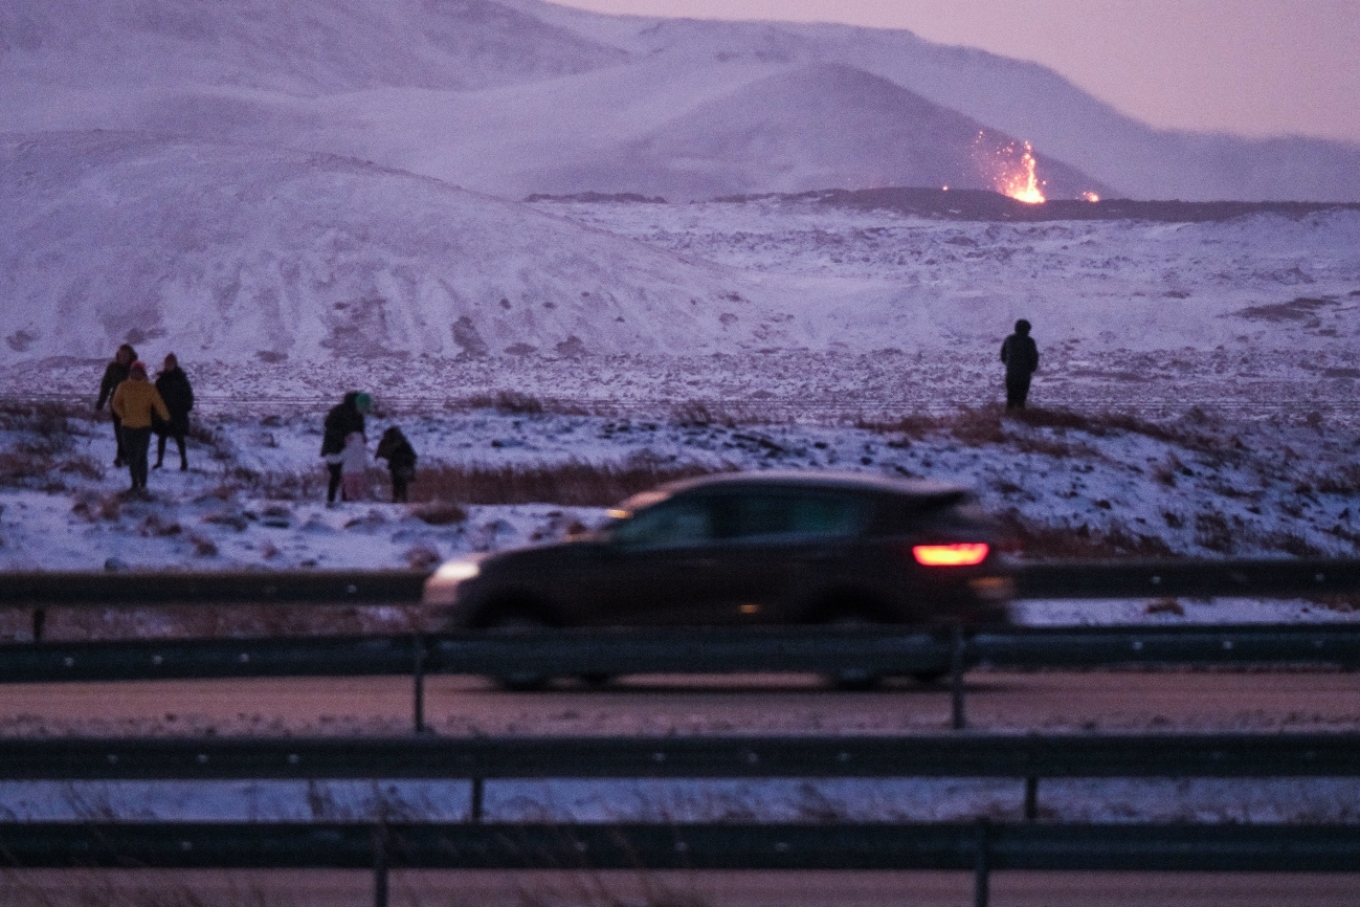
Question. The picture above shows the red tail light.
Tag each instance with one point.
(967, 554)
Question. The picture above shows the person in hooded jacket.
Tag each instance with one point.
(115, 373)
(178, 395)
(136, 401)
(401, 461)
(1021, 356)
(345, 418)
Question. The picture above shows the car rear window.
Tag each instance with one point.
(910, 514)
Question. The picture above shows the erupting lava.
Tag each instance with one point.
(1016, 179)
(1023, 184)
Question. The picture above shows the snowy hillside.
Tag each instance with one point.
(511, 97)
(244, 254)
(129, 47)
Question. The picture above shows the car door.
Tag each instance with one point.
(656, 567)
(782, 546)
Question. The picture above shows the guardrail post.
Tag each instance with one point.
(39, 623)
(982, 865)
(478, 806)
(380, 865)
(1031, 799)
(956, 653)
(418, 685)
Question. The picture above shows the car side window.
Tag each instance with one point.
(765, 515)
(670, 525)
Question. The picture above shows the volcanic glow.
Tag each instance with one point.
(1022, 184)
(1012, 172)
(1090, 196)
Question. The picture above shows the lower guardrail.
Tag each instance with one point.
(981, 847)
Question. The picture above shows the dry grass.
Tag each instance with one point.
(994, 424)
(1042, 542)
(575, 484)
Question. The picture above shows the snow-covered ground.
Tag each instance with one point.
(1067, 484)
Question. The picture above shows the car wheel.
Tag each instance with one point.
(519, 681)
(853, 679)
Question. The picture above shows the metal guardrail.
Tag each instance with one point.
(296, 587)
(817, 650)
(1047, 580)
(980, 846)
(948, 756)
(1199, 578)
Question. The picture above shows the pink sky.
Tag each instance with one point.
(1251, 67)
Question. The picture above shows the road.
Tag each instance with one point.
(1305, 700)
(550, 889)
(778, 704)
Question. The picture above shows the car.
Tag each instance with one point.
(749, 549)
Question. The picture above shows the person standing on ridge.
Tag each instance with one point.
(1021, 356)
(134, 402)
(178, 395)
(344, 418)
(115, 373)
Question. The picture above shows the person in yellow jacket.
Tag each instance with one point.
(133, 402)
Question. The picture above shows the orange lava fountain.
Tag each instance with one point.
(1018, 179)
(1023, 184)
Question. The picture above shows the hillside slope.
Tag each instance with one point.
(235, 252)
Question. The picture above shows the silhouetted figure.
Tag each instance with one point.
(115, 373)
(401, 461)
(345, 418)
(134, 402)
(1021, 356)
(178, 395)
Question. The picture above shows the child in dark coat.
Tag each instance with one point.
(401, 461)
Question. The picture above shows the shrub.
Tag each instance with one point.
(440, 513)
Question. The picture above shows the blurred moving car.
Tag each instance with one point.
(745, 549)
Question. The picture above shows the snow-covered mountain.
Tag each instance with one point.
(824, 125)
(513, 96)
(280, 184)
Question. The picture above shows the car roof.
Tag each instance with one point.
(811, 480)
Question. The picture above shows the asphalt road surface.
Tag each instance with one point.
(554, 889)
(1104, 700)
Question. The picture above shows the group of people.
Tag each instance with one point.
(141, 408)
(344, 447)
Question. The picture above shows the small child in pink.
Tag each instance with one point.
(354, 467)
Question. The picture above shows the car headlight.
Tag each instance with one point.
(442, 587)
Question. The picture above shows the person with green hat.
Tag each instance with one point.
(344, 418)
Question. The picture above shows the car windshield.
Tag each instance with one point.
(683, 522)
